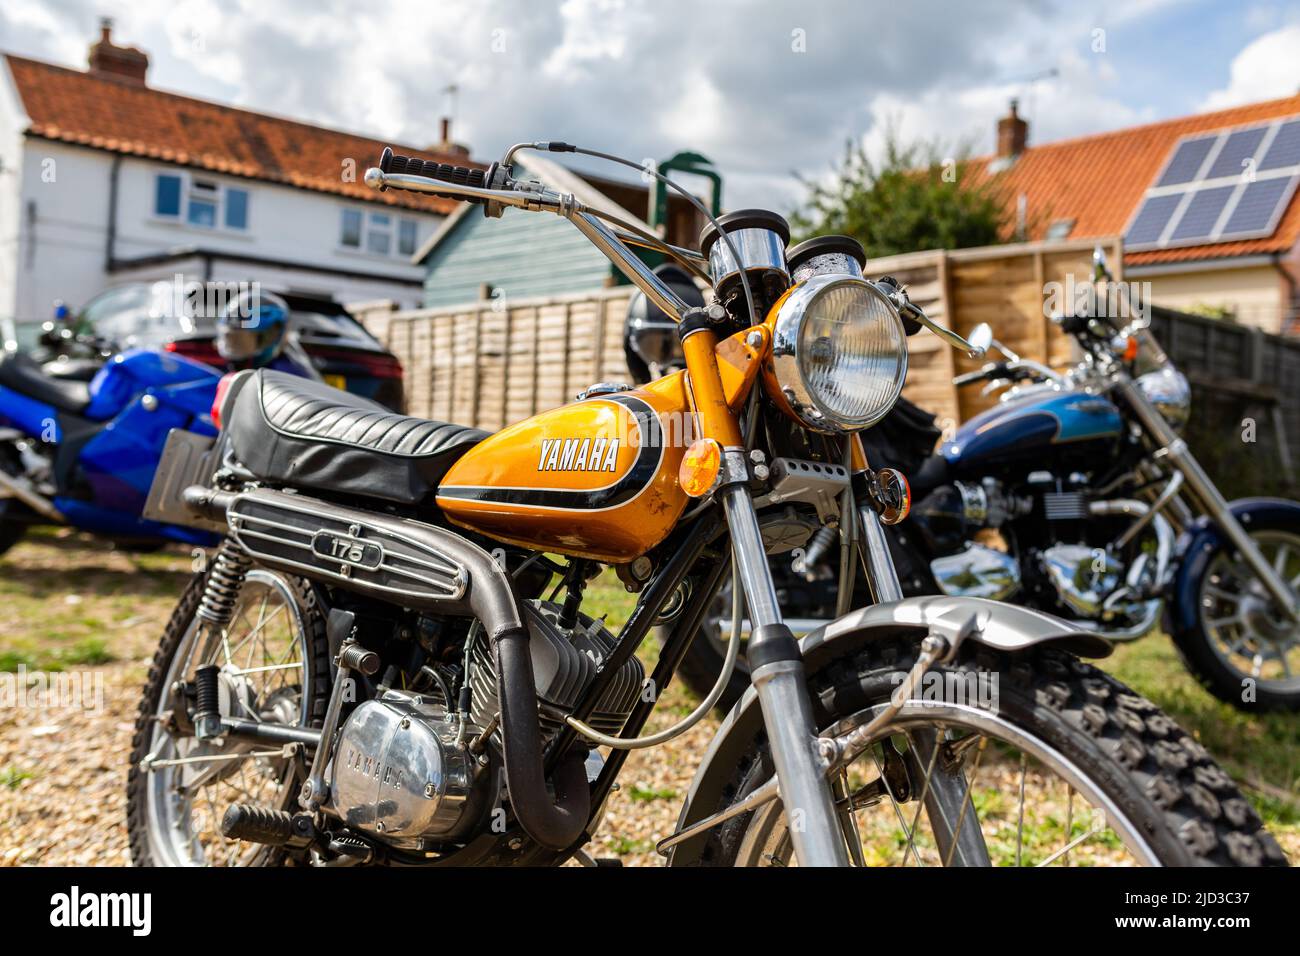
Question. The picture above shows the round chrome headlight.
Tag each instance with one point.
(1167, 389)
(839, 354)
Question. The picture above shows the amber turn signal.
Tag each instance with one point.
(895, 495)
(700, 467)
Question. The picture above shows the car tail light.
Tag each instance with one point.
(373, 364)
(222, 387)
(200, 350)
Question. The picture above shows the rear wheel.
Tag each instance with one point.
(1064, 766)
(14, 514)
(274, 660)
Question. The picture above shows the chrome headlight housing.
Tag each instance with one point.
(839, 354)
(1167, 389)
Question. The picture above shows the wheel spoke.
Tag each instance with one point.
(1020, 817)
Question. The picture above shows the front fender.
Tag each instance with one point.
(1200, 543)
(1004, 627)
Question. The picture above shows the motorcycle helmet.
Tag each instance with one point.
(250, 329)
(650, 340)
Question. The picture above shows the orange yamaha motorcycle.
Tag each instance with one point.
(387, 661)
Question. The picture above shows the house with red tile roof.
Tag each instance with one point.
(1207, 205)
(106, 180)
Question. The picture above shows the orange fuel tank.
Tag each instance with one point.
(595, 479)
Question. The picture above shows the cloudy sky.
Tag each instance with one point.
(763, 87)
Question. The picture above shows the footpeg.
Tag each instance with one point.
(253, 824)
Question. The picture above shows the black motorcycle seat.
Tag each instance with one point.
(24, 375)
(299, 432)
(932, 473)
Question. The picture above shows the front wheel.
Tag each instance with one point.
(1034, 759)
(1240, 647)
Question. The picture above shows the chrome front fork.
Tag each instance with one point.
(1180, 457)
(779, 679)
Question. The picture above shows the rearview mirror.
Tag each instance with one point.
(981, 336)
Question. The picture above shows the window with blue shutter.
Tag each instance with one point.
(236, 208)
(167, 195)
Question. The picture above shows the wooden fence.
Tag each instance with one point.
(1001, 285)
(1245, 398)
(495, 362)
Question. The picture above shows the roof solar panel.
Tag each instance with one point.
(1258, 206)
(1219, 186)
(1285, 149)
(1202, 213)
(1150, 222)
(1236, 151)
(1187, 161)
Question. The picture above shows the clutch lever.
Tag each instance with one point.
(911, 312)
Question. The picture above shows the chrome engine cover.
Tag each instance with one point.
(398, 772)
(978, 571)
(1083, 576)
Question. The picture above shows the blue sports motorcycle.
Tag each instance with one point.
(83, 453)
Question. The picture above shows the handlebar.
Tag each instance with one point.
(495, 189)
(1013, 371)
(390, 162)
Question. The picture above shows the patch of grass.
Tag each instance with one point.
(88, 650)
(11, 777)
(625, 846)
(649, 794)
(11, 660)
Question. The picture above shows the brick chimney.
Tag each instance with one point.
(1013, 134)
(446, 145)
(123, 62)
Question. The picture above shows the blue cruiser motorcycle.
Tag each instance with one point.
(1076, 495)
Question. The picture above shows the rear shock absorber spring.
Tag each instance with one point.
(220, 594)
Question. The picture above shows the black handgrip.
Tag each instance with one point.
(391, 162)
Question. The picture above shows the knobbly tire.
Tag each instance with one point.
(1186, 807)
(317, 649)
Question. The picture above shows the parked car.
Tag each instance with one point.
(321, 332)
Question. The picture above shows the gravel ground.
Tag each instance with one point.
(73, 609)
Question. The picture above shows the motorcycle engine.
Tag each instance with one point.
(402, 770)
(949, 519)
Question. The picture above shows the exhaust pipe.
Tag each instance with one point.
(21, 489)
